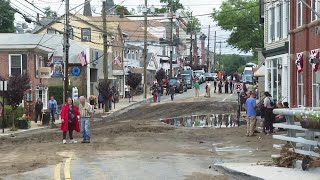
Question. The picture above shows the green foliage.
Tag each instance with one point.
(17, 86)
(6, 17)
(57, 93)
(193, 24)
(160, 75)
(175, 6)
(104, 88)
(50, 13)
(233, 63)
(119, 8)
(241, 18)
(9, 113)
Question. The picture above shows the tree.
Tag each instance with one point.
(120, 8)
(232, 63)
(193, 24)
(134, 80)
(105, 90)
(241, 17)
(50, 13)
(17, 86)
(6, 17)
(167, 8)
(160, 75)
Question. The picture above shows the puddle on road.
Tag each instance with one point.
(213, 120)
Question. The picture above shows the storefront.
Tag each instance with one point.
(277, 77)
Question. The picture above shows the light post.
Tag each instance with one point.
(144, 9)
(3, 88)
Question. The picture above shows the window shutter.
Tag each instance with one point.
(24, 63)
(280, 20)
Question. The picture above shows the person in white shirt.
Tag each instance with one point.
(268, 104)
(208, 88)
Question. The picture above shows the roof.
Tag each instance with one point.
(50, 43)
(134, 29)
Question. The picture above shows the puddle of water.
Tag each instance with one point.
(213, 120)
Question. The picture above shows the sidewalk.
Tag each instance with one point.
(253, 171)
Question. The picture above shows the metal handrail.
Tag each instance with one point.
(295, 111)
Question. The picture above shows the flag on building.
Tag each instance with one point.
(314, 54)
(82, 58)
(299, 61)
(117, 60)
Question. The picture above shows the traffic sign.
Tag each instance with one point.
(238, 87)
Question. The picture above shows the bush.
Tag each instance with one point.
(8, 115)
(57, 93)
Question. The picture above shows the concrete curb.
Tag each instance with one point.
(235, 174)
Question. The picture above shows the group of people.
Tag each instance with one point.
(265, 110)
(227, 84)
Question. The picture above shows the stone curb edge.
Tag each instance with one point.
(236, 174)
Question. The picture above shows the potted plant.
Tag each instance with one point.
(310, 119)
(24, 122)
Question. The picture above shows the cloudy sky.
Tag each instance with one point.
(198, 7)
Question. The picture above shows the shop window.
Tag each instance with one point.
(300, 95)
(42, 93)
(299, 14)
(315, 89)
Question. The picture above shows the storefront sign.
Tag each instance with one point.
(57, 71)
(45, 72)
(117, 72)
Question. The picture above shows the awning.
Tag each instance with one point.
(260, 71)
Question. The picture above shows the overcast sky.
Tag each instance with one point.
(198, 7)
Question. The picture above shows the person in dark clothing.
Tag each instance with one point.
(100, 101)
(220, 86)
(38, 110)
(268, 116)
(159, 89)
(244, 88)
(231, 86)
(215, 85)
(226, 87)
(172, 91)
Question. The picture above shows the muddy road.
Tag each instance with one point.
(140, 132)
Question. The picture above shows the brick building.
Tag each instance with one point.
(304, 45)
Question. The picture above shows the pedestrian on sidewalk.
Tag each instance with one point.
(100, 101)
(86, 114)
(231, 86)
(251, 114)
(69, 120)
(38, 107)
(208, 89)
(220, 86)
(53, 106)
(110, 99)
(197, 88)
(159, 89)
(215, 85)
(92, 101)
(268, 115)
(226, 87)
(155, 95)
(172, 91)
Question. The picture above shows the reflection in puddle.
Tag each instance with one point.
(214, 120)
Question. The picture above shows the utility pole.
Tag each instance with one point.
(191, 40)
(208, 49)
(171, 37)
(66, 53)
(145, 50)
(105, 49)
(214, 50)
(220, 57)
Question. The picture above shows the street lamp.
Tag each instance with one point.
(144, 9)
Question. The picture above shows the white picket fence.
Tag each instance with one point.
(302, 140)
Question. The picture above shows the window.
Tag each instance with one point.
(36, 66)
(71, 33)
(15, 64)
(286, 28)
(85, 34)
(271, 24)
(315, 89)
(42, 94)
(299, 14)
(300, 95)
(51, 31)
(279, 22)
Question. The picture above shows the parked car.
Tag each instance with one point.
(209, 76)
(178, 85)
(188, 80)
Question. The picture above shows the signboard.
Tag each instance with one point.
(45, 72)
(238, 87)
(117, 72)
(57, 71)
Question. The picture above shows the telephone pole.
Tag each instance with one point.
(208, 49)
(66, 53)
(191, 40)
(145, 51)
(214, 50)
(171, 37)
(220, 56)
(105, 48)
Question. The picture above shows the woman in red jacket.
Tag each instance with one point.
(69, 120)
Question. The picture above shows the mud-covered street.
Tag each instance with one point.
(136, 144)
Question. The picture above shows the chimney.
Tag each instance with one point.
(38, 17)
(87, 8)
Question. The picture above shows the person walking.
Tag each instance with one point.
(231, 86)
(220, 86)
(268, 115)
(172, 91)
(226, 86)
(159, 89)
(69, 120)
(251, 114)
(85, 116)
(155, 94)
(197, 88)
(38, 107)
(100, 101)
(110, 100)
(208, 89)
(53, 106)
(215, 85)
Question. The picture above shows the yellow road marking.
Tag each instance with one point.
(57, 169)
(67, 173)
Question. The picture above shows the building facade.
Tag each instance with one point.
(304, 47)
(276, 41)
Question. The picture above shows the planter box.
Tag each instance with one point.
(310, 124)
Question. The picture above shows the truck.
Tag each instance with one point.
(247, 75)
(188, 76)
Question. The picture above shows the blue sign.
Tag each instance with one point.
(57, 67)
(96, 59)
(75, 71)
